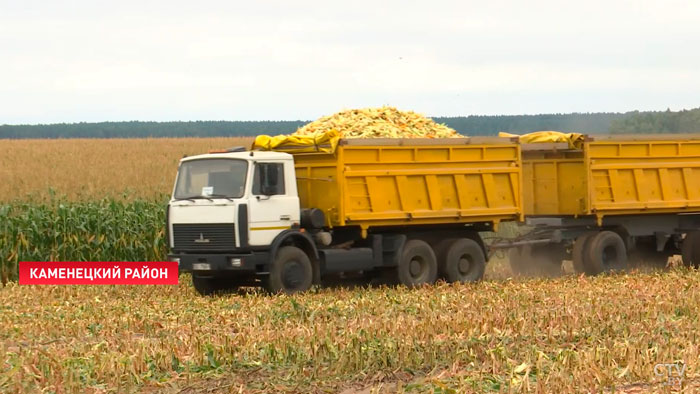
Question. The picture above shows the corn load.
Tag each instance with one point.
(384, 122)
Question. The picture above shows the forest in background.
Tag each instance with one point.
(685, 121)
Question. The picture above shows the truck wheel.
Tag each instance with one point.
(418, 264)
(291, 271)
(606, 252)
(690, 249)
(208, 286)
(578, 255)
(464, 261)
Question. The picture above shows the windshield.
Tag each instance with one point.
(211, 178)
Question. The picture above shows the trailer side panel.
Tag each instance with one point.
(633, 177)
(413, 183)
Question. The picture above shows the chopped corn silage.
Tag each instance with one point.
(384, 122)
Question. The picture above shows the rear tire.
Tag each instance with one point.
(291, 272)
(418, 264)
(691, 249)
(606, 252)
(464, 261)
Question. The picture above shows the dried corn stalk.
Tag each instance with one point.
(384, 122)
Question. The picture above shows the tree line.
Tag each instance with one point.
(685, 121)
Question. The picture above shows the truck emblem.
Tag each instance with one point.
(201, 239)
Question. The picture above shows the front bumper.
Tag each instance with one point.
(202, 263)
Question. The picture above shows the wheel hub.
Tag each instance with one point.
(415, 267)
(463, 265)
(292, 274)
(609, 257)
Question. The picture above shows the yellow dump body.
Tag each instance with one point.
(613, 176)
(384, 182)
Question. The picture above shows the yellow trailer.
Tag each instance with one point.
(613, 176)
(390, 182)
(616, 195)
(643, 176)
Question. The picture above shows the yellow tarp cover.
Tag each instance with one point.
(575, 140)
(321, 142)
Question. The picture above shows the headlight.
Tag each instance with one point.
(235, 262)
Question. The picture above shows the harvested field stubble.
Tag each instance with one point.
(563, 335)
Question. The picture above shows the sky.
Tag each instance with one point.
(87, 61)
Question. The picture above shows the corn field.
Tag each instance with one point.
(572, 334)
(90, 169)
(59, 230)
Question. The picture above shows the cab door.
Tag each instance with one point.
(274, 203)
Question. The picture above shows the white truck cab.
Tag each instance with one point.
(227, 209)
(210, 187)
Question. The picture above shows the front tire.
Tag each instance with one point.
(606, 252)
(291, 271)
(418, 264)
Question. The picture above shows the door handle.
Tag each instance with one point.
(285, 217)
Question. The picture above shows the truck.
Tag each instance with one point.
(411, 211)
(407, 210)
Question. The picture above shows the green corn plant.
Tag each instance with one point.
(58, 230)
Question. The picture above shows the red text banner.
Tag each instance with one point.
(98, 273)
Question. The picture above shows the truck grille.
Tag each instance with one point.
(209, 237)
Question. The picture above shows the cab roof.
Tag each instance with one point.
(247, 155)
